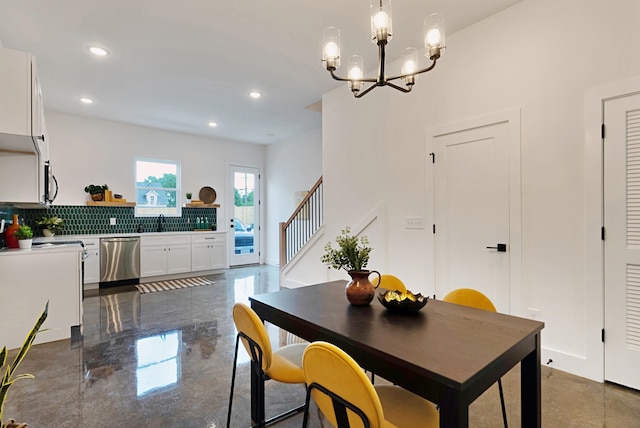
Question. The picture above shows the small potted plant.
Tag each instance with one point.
(352, 255)
(50, 225)
(8, 372)
(189, 195)
(24, 235)
(96, 191)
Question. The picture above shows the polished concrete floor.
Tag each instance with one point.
(165, 360)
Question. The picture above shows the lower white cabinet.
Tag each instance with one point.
(208, 251)
(165, 255)
(92, 262)
(30, 279)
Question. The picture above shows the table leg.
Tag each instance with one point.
(530, 393)
(453, 413)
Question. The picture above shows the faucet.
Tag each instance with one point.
(160, 222)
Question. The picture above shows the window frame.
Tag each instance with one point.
(166, 211)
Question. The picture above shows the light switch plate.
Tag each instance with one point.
(112, 221)
(414, 223)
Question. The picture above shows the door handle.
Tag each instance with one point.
(502, 248)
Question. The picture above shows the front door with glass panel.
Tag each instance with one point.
(244, 218)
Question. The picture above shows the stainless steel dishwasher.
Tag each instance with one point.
(119, 261)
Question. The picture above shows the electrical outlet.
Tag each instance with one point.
(112, 221)
(533, 314)
(414, 223)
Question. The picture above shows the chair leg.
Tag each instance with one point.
(504, 410)
(257, 394)
(307, 401)
(233, 381)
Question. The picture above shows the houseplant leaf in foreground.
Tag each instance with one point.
(8, 378)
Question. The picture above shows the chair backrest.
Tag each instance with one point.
(331, 368)
(249, 323)
(470, 297)
(391, 282)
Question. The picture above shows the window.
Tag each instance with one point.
(157, 188)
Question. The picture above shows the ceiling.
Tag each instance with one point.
(177, 65)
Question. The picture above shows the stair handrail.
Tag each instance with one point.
(285, 225)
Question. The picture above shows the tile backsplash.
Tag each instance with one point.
(84, 220)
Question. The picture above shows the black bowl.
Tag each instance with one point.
(402, 302)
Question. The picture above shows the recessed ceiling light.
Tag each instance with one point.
(86, 100)
(255, 94)
(213, 124)
(98, 51)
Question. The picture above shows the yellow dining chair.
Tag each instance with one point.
(347, 399)
(475, 299)
(391, 282)
(282, 365)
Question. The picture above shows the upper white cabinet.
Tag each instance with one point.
(22, 125)
(24, 146)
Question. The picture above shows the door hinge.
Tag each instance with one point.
(603, 335)
(434, 228)
(602, 131)
(433, 157)
(602, 233)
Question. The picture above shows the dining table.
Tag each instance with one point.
(447, 353)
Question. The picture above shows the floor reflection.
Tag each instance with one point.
(158, 361)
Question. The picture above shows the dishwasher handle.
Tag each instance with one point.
(126, 239)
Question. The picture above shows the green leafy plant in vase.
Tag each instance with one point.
(9, 376)
(352, 255)
(96, 191)
(189, 195)
(25, 236)
(50, 225)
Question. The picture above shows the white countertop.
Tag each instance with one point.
(40, 249)
(76, 247)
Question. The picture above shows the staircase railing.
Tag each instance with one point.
(303, 223)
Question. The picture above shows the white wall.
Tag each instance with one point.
(92, 151)
(541, 56)
(291, 166)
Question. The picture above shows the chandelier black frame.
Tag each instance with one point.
(381, 34)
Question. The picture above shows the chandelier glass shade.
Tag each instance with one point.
(381, 34)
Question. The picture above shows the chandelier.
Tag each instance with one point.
(381, 34)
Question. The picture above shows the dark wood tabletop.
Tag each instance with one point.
(447, 353)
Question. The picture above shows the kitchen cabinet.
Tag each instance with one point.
(165, 255)
(22, 125)
(24, 145)
(30, 279)
(208, 251)
(92, 262)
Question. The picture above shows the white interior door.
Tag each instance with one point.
(472, 212)
(244, 218)
(622, 243)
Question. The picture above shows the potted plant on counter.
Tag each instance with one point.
(50, 225)
(352, 255)
(9, 376)
(96, 191)
(24, 235)
(189, 194)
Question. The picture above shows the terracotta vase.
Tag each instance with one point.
(9, 233)
(359, 290)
